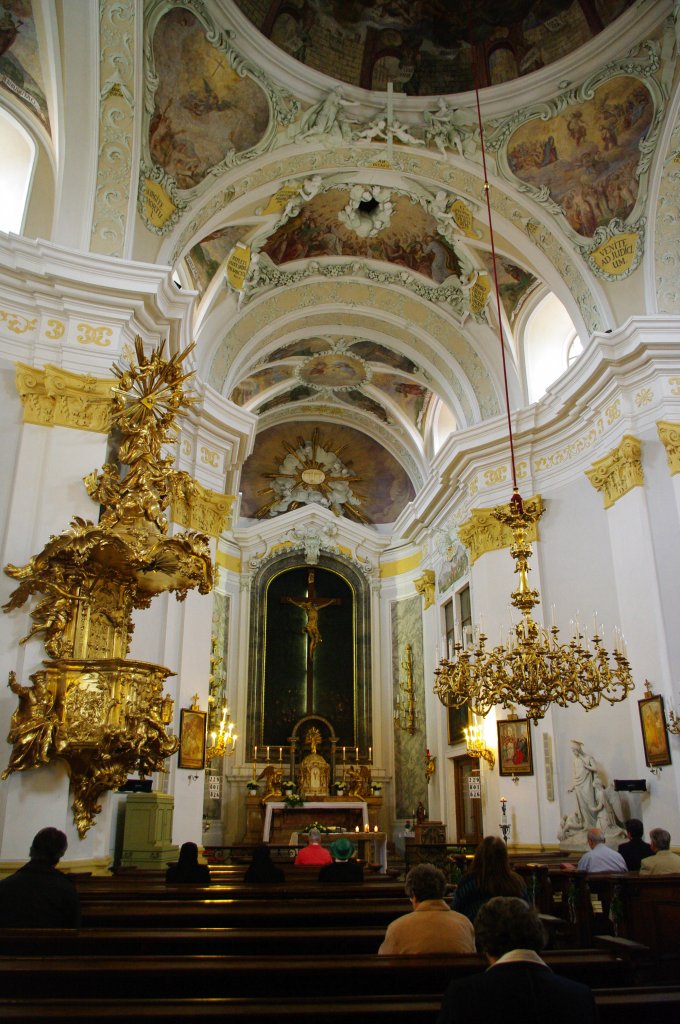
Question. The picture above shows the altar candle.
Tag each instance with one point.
(356, 751)
(366, 827)
(267, 754)
(280, 755)
(375, 828)
(370, 754)
(356, 829)
(255, 757)
(343, 754)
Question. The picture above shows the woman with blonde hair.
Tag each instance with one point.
(490, 875)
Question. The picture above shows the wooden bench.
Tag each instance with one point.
(133, 977)
(622, 1006)
(243, 913)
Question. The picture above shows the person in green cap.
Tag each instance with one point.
(344, 868)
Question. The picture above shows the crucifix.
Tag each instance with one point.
(311, 605)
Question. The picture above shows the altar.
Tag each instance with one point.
(281, 820)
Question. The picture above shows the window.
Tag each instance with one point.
(17, 158)
(551, 344)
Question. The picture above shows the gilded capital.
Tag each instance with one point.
(198, 508)
(669, 433)
(53, 397)
(618, 472)
(484, 532)
(425, 585)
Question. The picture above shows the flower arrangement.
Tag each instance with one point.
(338, 787)
(292, 799)
(252, 786)
(324, 829)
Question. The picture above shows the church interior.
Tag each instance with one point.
(340, 369)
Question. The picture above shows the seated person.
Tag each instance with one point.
(38, 895)
(635, 849)
(518, 985)
(432, 927)
(664, 861)
(490, 875)
(600, 857)
(314, 852)
(344, 868)
(262, 868)
(187, 869)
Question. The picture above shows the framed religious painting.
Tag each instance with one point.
(654, 732)
(515, 756)
(192, 739)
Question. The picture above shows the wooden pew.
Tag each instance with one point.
(133, 977)
(622, 1006)
(194, 913)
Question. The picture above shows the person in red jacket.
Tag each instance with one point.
(314, 852)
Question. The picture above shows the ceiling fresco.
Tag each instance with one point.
(203, 108)
(423, 46)
(359, 374)
(207, 256)
(411, 238)
(20, 67)
(514, 282)
(344, 469)
(587, 158)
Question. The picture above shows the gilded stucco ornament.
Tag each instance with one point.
(103, 715)
(618, 472)
(484, 532)
(669, 434)
(425, 586)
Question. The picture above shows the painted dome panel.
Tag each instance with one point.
(333, 370)
(203, 108)
(588, 156)
(20, 68)
(299, 348)
(411, 396)
(372, 352)
(256, 383)
(423, 47)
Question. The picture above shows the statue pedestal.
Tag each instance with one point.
(147, 840)
(427, 844)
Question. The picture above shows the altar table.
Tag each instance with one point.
(378, 840)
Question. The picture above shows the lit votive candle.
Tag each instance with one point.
(356, 829)
(366, 827)
(375, 828)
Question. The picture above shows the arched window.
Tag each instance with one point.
(551, 344)
(17, 159)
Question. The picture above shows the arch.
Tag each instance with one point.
(17, 167)
(359, 585)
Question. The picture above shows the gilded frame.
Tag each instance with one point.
(192, 739)
(654, 731)
(515, 756)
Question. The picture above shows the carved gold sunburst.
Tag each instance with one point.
(312, 472)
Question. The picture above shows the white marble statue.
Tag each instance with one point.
(598, 806)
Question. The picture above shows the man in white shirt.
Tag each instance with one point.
(600, 857)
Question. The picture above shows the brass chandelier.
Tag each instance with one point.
(533, 668)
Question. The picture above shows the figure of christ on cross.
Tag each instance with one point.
(311, 605)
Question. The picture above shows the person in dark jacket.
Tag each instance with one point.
(38, 895)
(343, 868)
(636, 849)
(262, 868)
(518, 984)
(187, 868)
(490, 875)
